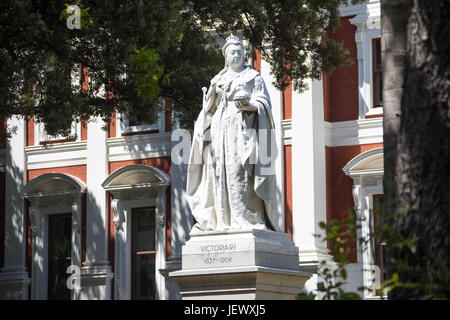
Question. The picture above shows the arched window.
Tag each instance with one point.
(366, 170)
(139, 207)
(55, 211)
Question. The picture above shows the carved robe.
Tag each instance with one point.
(231, 175)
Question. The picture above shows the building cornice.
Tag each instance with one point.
(56, 155)
(143, 146)
(354, 132)
(286, 131)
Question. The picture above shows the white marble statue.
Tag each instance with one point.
(231, 176)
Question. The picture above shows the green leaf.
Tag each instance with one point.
(349, 296)
(344, 273)
(304, 296)
(321, 286)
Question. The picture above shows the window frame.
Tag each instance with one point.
(51, 245)
(368, 27)
(377, 244)
(79, 80)
(41, 136)
(377, 69)
(124, 128)
(134, 252)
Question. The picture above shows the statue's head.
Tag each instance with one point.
(233, 51)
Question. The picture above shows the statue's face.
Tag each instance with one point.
(234, 56)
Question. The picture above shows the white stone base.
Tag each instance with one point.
(95, 282)
(240, 283)
(240, 265)
(14, 285)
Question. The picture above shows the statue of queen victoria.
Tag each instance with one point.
(231, 176)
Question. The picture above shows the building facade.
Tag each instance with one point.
(110, 205)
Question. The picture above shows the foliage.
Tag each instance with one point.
(86, 20)
(402, 254)
(40, 55)
(403, 261)
(416, 140)
(147, 73)
(118, 42)
(338, 234)
(289, 34)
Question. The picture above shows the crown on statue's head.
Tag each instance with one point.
(232, 39)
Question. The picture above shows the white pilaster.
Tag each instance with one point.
(96, 213)
(96, 273)
(308, 173)
(181, 218)
(14, 274)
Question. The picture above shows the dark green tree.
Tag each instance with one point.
(416, 105)
(290, 34)
(139, 51)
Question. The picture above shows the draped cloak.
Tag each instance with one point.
(257, 157)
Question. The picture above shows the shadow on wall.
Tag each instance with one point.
(2, 217)
(13, 272)
(178, 214)
(16, 238)
(13, 217)
(95, 223)
(184, 219)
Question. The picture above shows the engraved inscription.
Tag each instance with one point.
(217, 253)
(217, 260)
(221, 247)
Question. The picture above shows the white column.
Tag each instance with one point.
(96, 215)
(15, 235)
(15, 227)
(96, 273)
(181, 218)
(120, 257)
(76, 230)
(308, 173)
(39, 254)
(160, 230)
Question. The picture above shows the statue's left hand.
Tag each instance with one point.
(245, 105)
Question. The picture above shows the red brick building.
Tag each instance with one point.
(112, 204)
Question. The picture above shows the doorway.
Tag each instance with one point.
(59, 256)
(143, 253)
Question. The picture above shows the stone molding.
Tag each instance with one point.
(131, 187)
(52, 193)
(366, 170)
(240, 265)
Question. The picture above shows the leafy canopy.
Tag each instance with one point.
(139, 51)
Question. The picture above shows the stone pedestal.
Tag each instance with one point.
(238, 265)
(14, 284)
